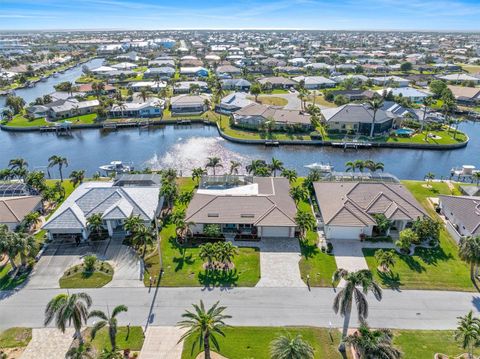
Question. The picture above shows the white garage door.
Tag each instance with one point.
(275, 231)
(343, 232)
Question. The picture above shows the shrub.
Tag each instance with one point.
(89, 263)
(329, 247)
(212, 230)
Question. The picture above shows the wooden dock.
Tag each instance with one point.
(352, 145)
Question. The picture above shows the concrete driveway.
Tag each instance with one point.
(48, 343)
(128, 268)
(279, 259)
(162, 343)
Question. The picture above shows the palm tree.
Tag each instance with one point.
(375, 105)
(36, 180)
(207, 253)
(234, 167)
(298, 193)
(255, 165)
(385, 259)
(143, 236)
(77, 177)
(344, 298)
(203, 326)
(360, 164)
(31, 219)
(80, 352)
(132, 223)
(226, 251)
(373, 166)
(169, 191)
(144, 94)
(7, 245)
(213, 162)
(469, 251)
(109, 321)
(305, 222)
(25, 246)
(18, 163)
(95, 223)
(275, 166)
(373, 344)
(288, 347)
(468, 332)
(67, 309)
(350, 166)
(291, 175)
(58, 161)
(430, 177)
(182, 228)
(476, 177)
(198, 173)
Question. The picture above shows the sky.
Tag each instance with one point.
(457, 15)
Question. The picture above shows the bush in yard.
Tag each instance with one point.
(212, 230)
(89, 263)
(426, 229)
(407, 238)
(383, 223)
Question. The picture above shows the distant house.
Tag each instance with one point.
(228, 70)
(236, 84)
(396, 111)
(185, 86)
(150, 108)
(462, 214)
(196, 71)
(242, 205)
(315, 82)
(154, 86)
(390, 80)
(277, 82)
(460, 78)
(161, 63)
(469, 96)
(72, 108)
(37, 111)
(87, 89)
(14, 209)
(414, 95)
(124, 66)
(354, 95)
(347, 208)
(188, 105)
(255, 115)
(233, 102)
(357, 79)
(163, 72)
(114, 203)
(356, 118)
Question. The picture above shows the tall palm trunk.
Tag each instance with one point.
(61, 174)
(78, 335)
(472, 271)
(206, 345)
(112, 332)
(23, 259)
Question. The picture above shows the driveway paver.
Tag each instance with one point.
(128, 269)
(162, 343)
(48, 343)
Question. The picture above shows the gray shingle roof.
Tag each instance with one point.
(466, 209)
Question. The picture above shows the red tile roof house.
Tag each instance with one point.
(259, 206)
(348, 208)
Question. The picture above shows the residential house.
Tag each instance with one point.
(186, 86)
(87, 90)
(37, 111)
(154, 86)
(233, 102)
(149, 108)
(354, 95)
(356, 118)
(242, 205)
(315, 82)
(124, 66)
(469, 96)
(114, 203)
(461, 78)
(277, 82)
(71, 108)
(228, 70)
(255, 115)
(236, 84)
(390, 80)
(195, 71)
(163, 72)
(462, 214)
(188, 105)
(414, 95)
(348, 209)
(14, 209)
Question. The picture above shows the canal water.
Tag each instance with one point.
(187, 147)
(43, 88)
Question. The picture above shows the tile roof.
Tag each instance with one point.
(466, 209)
(14, 209)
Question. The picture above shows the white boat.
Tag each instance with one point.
(116, 167)
(322, 167)
(465, 170)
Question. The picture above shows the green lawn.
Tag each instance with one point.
(254, 342)
(15, 337)
(183, 267)
(133, 340)
(272, 100)
(423, 344)
(473, 69)
(318, 265)
(76, 278)
(446, 138)
(7, 282)
(438, 268)
(21, 121)
(87, 119)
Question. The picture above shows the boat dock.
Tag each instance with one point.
(353, 145)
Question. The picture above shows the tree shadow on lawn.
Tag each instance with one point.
(432, 256)
(390, 279)
(13, 279)
(215, 278)
(183, 259)
(412, 263)
(308, 250)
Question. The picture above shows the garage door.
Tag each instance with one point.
(275, 231)
(333, 232)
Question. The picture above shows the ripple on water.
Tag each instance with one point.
(192, 152)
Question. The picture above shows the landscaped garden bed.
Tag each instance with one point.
(87, 275)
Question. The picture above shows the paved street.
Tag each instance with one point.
(252, 306)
